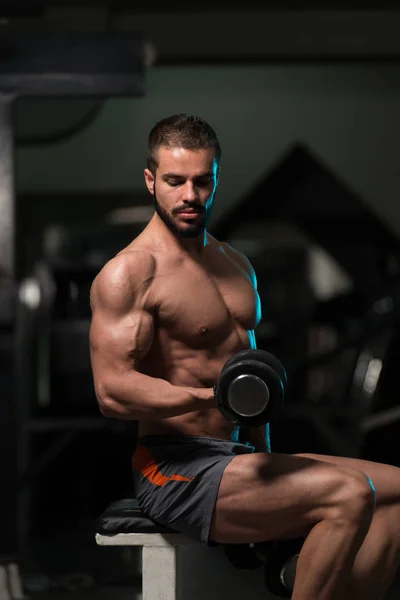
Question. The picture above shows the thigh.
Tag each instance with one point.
(384, 478)
(276, 496)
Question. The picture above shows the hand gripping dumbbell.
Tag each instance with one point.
(251, 388)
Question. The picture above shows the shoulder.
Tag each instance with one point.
(129, 267)
(241, 260)
(123, 278)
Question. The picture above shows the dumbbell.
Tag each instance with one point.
(242, 556)
(251, 388)
(249, 556)
(278, 557)
(280, 567)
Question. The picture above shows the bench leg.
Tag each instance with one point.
(4, 593)
(159, 573)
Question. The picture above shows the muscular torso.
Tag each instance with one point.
(204, 311)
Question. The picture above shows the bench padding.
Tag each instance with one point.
(125, 516)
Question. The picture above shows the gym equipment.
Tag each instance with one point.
(329, 422)
(43, 63)
(278, 557)
(280, 567)
(174, 566)
(251, 388)
(242, 556)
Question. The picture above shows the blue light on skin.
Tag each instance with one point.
(373, 488)
(253, 345)
(235, 435)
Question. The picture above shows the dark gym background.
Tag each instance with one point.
(306, 105)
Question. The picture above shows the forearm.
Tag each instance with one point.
(135, 396)
(259, 437)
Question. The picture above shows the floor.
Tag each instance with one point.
(69, 565)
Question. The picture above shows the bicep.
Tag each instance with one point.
(122, 328)
(120, 342)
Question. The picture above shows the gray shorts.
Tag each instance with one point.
(177, 479)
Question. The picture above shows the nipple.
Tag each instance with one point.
(203, 330)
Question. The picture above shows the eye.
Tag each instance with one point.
(204, 182)
(174, 183)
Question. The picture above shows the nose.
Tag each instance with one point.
(190, 192)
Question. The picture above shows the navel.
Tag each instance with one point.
(203, 330)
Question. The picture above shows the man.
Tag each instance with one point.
(168, 312)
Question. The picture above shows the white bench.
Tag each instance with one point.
(174, 566)
(159, 547)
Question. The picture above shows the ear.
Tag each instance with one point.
(149, 179)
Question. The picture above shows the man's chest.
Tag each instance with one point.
(193, 300)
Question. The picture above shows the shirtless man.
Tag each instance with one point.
(168, 312)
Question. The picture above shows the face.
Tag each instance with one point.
(183, 188)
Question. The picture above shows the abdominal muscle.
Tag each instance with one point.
(204, 315)
(189, 372)
(205, 424)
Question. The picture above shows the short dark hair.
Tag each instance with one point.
(181, 131)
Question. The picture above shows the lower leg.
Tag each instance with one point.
(378, 558)
(326, 559)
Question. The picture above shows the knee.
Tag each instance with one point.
(355, 496)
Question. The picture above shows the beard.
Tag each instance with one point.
(189, 230)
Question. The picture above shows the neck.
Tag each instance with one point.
(165, 237)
